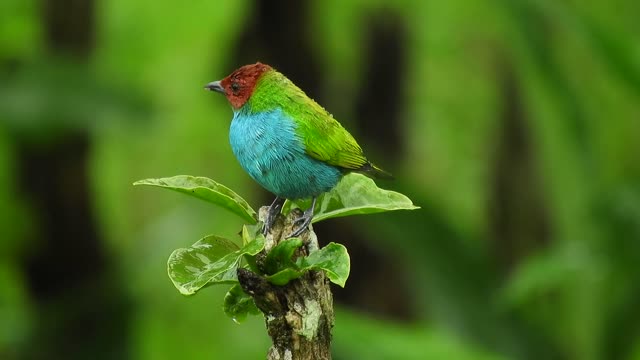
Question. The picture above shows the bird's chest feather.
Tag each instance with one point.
(268, 148)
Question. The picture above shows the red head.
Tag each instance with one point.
(239, 86)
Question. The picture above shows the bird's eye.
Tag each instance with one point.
(235, 87)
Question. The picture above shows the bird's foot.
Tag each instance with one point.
(304, 220)
(272, 214)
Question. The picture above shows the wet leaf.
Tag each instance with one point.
(208, 190)
(237, 304)
(211, 260)
(279, 257)
(354, 194)
(333, 259)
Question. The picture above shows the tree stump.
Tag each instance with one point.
(299, 315)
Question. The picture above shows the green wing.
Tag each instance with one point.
(326, 140)
(323, 136)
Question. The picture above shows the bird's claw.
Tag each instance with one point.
(304, 220)
(272, 215)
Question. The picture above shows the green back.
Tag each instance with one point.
(324, 138)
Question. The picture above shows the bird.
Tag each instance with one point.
(286, 141)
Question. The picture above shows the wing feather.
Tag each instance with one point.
(323, 137)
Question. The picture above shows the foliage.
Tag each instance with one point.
(211, 260)
(207, 190)
(333, 259)
(355, 194)
(215, 260)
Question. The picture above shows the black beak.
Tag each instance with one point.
(214, 86)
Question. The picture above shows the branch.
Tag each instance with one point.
(299, 315)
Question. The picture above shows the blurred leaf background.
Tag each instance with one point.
(514, 124)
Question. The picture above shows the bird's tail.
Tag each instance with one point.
(374, 171)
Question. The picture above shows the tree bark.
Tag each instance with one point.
(299, 315)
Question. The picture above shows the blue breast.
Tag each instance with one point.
(268, 148)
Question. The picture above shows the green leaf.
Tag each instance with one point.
(333, 259)
(211, 260)
(279, 257)
(283, 276)
(250, 232)
(237, 304)
(354, 194)
(208, 190)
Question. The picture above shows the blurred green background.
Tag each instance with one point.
(515, 124)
